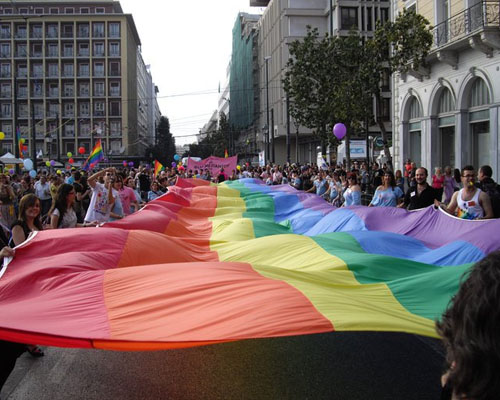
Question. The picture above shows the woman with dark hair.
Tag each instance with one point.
(28, 220)
(155, 191)
(352, 195)
(62, 214)
(470, 329)
(387, 194)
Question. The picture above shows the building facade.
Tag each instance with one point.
(447, 114)
(282, 22)
(68, 70)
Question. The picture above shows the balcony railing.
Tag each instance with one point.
(479, 16)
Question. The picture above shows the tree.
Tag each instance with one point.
(410, 38)
(215, 143)
(164, 149)
(336, 79)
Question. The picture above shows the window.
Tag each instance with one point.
(446, 103)
(114, 68)
(53, 110)
(98, 29)
(5, 50)
(21, 31)
(84, 110)
(114, 49)
(479, 94)
(98, 49)
(415, 110)
(115, 146)
(69, 110)
(67, 30)
(7, 10)
(84, 10)
(83, 70)
(53, 11)
(38, 109)
(69, 10)
(6, 110)
(5, 90)
(83, 30)
(68, 69)
(384, 15)
(22, 90)
(52, 50)
(37, 70)
(114, 108)
(39, 11)
(52, 31)
(84, 89)
(53, 70)
(5, 70)
(349, 17)
(21, 50)
(53, 90)
(84, 129)
(36, 50)
(69, 129)
(114, 29)
(100, 10)
(83, 50)
(69, 89)
(69, 147)
(7, 129)
(98, 88)
(36, 31)
(99, 109)
(22, 109)
(37, 89)
(68, 49)
(98, 69)
(22, 70)
(115, 128)
(22, 11)
(114, 88)
(5, 31)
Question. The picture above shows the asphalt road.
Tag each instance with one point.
(327, 366)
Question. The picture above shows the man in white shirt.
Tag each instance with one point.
(103, 196)
(42, 191)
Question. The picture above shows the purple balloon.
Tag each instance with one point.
(11, 171)
(173, 164)
(52, 163)
(339, 130)
(131, 164)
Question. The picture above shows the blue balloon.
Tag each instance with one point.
(177, 157)
(32, 173)
(28, 164)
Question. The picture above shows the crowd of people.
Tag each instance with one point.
(74, 199)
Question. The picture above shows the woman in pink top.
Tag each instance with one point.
(438, 183)
(127, 197)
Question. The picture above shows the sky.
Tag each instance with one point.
(188, 45)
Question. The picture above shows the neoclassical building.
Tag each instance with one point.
(448, 113)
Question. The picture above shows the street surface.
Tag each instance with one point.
(340, 365)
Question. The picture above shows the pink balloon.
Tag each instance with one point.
(339, 130)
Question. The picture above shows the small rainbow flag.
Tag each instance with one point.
(94, 157)
(19, 142)
(158, 167)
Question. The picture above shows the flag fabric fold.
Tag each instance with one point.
(210, 263)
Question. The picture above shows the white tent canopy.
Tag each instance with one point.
(9, 158)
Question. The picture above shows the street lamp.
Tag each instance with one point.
(266, 59)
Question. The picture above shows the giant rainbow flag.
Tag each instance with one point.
(211, 263)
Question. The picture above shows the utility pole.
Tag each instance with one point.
(331, 18)
(266, 156)
(272, 136)
(14, 108)
(58, 131)
(287, 129)
(33, 135)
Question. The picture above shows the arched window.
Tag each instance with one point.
(446, 131)
(479, 120)
(415, 130)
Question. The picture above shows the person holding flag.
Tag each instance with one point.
(94, 157)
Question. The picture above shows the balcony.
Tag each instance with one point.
(476, 27)
(5, 35)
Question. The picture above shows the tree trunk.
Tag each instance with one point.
(380, 123)
(347, 139)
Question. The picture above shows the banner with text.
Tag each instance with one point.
(214, 164)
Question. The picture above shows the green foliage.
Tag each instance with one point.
(336, 79)
(215, 143)
(164, 149)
